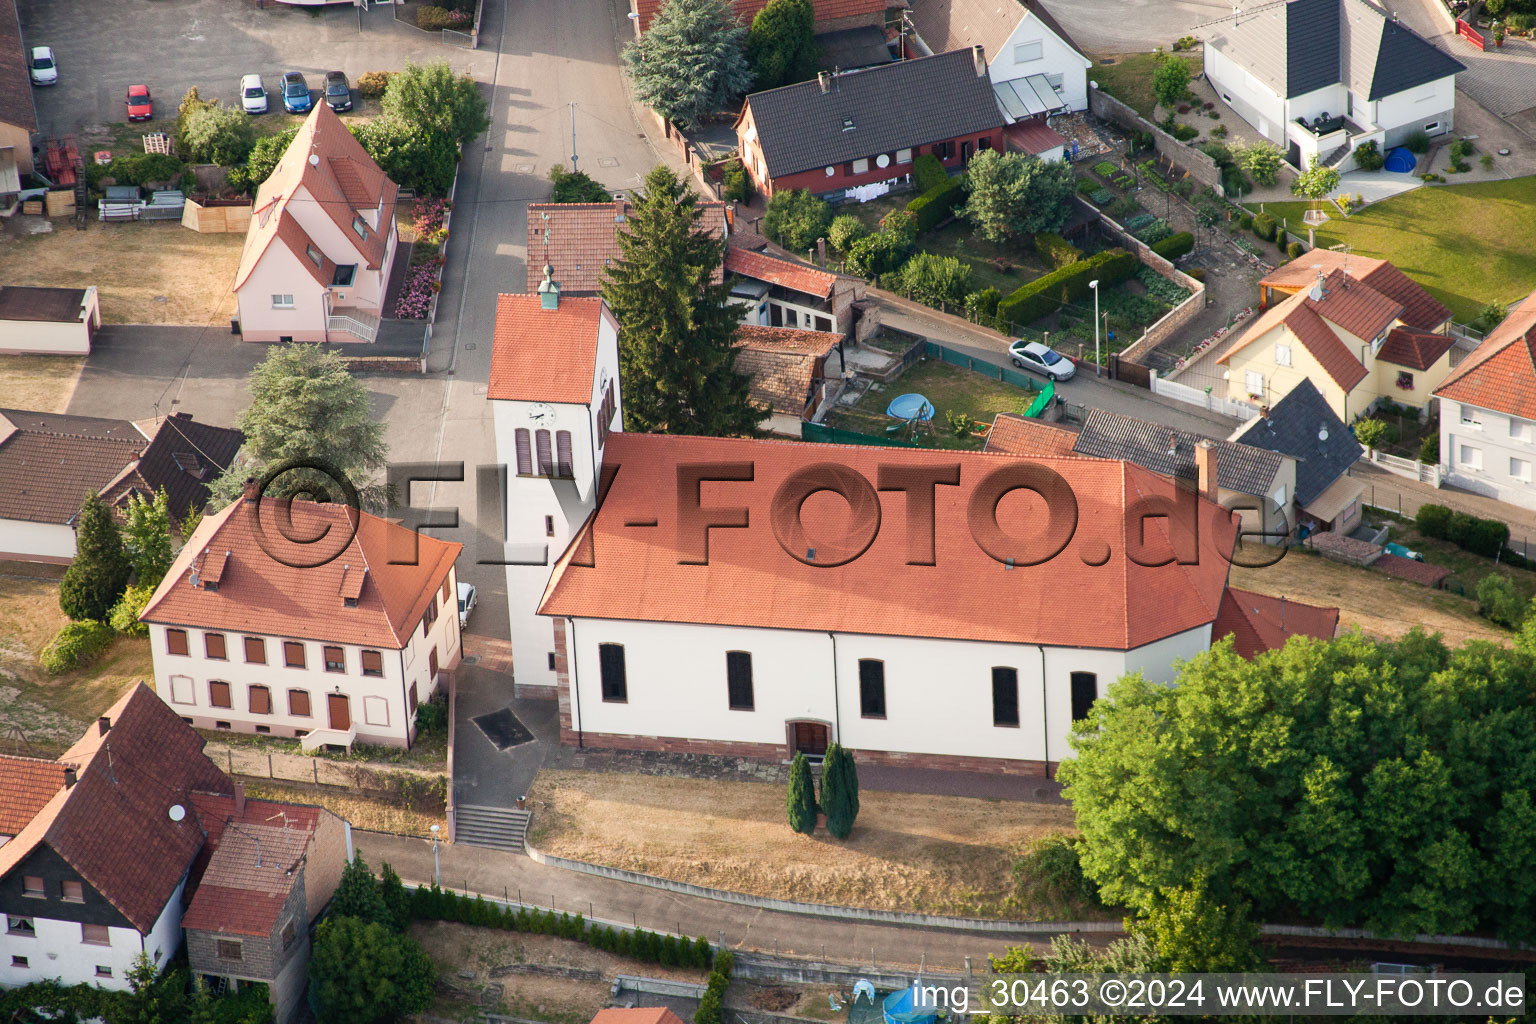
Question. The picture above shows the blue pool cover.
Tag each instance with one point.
(1401, 161)
(906, 407)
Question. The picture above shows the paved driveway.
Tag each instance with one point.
(172, 45)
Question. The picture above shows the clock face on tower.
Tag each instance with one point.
(542, 412)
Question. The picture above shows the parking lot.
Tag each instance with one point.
(172, 45)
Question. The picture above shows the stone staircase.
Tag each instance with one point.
(499, 828)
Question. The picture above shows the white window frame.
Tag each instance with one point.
(182, 690)
(1282, 355)
(1029, 51)
(375, 711)
(282, 301)
(861, 165)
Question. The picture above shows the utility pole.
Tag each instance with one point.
(573, 138)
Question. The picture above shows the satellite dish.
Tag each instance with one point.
(177, 812)
(1316, 293)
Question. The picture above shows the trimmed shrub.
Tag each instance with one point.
(1069, 284)
(77, 645)
(1264, 226)
(929, 172)
(1294, 250)
(1174, 246)
(845, 230)
(1057, 250)
(371, 84)
(938, 203)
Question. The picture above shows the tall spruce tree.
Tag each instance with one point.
(839, 790)
(675, 323)
(691, 62)
(99, 574)
(802, 796)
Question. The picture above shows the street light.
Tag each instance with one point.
(437, 869)
(1095, 286)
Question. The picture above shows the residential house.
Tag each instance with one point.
(1304, 426)
(18, 114)
(1320, 77)
(788, 369)
(1488, 413)
(1036, 69)
(1359, 344)
(96, 848)
(831, 15)
(92, 455)
(780, 293)
(48, 321)
(1259, 622)
(321, 244)
(334, 642)
(861, 130)
(581, 240)
(264, 874)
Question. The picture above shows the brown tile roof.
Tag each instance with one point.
(344, 181)
(249, 864)
(1421, 310)
(285, 593)
(583, 238)
(1012, 434)
(617, 571)
(49, 462)
(746, 10)
(545, 355)
(26, 786)
(1259, 623)
(1355, 306)
(53, 305)
(113, 826)
(183, 458)
(1297, 314)
(782, 363)
(1416, 349)
(794, 276)
(958, 24)
(1500, 374)
(16, 105)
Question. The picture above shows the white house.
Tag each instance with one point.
(1036, 69)
(322, 239)
(1488, 413)
(336, 641)
(1318, 77)
(48, 321)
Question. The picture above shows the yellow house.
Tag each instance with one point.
(1358, 329)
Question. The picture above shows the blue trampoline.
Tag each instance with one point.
(1400, 161)
(909, 407)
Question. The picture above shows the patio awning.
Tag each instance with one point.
(1027, 97)
(10, 178)
(1337, 497)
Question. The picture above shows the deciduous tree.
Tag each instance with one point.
(802, 796)
(360, 972)
(96, 578)
(781, 44)
(676, 325)
(691, 62)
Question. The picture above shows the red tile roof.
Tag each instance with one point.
(1421, 310)
(546, 355)
(795, 276)
(113, 825)
(618, 571)
(1259, 623)
(1500, 374)
(26, 786)
(1033, 137)
(249, 864)
(746, 10)
(581, 239)
(1012, 434)
(273, 586)
(1416, 349)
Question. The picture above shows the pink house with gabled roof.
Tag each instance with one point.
(321, 243)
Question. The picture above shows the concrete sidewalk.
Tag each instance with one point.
(516, 877)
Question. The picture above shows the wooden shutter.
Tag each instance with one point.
(524, 455)
(261, 700)
(541, 444)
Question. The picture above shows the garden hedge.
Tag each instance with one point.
(1068, 284)
(1174, 246)
(929, 172)
(933, 206)
(1056, 249)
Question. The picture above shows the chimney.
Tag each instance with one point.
(239, 799)
(103, 723)
(69, 777)
(1205, 467)
(549, 290)
(251, 490)
(980, 55)
(824, 78)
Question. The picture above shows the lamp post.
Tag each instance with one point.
(1095, 286)
(437, 868)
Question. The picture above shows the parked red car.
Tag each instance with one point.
(140, 106)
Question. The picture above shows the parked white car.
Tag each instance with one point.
(253, 95)
(42, 67)
(1041, 359)
(467, 598)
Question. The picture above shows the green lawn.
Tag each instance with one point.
(949, 388)
(1461, 242)
(1129, 79)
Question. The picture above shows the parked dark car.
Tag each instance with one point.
(295, 93)
(338, 94)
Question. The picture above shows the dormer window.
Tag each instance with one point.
(360, 226)
(313, 254)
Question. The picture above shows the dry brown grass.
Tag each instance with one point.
(363, 813)
(52, 711)
(1378, 604)
(132, 264)
(933, 854)
(41, 383)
